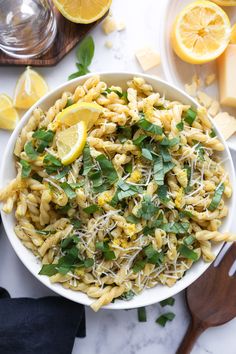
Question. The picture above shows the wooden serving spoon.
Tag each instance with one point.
(211, 300)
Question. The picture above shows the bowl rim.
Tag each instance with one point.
(70, 294)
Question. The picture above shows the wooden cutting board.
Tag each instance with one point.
(68, 35)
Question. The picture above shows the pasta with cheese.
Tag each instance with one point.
(138, 207)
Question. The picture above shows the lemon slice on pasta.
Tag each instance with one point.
(8, 115)
(70, 142)
(82, 111)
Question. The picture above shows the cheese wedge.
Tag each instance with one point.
(227, 76)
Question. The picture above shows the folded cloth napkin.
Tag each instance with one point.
(39, 326)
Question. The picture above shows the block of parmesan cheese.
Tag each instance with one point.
(227, 76)
(226, 124)
(148, 58)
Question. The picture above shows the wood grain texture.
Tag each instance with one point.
(68, 35)
(211, 300)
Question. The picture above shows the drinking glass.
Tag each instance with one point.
(27, 27)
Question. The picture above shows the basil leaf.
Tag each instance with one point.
(149, 127)
(85, 51)
(69, 242)
(168, 166)
(91, 209)
(217, 197)
(37, 177)
(188, 253)
(132, 219)
(148, 208)
(163, 319)
(107, 253)
(68, 190)
(88, 262)
(158, 170)
(170, 142)
(81, 71)
(139, 141)
(63, 173)
(180, 126)
(87, 160)
(127, 296)
(124, 134)
(142, 315)
(26, 168)
(139, 265)
(77, 185)
(200, 151)
(76, 223)
(30, 151)
(189, 240)
(128, 167)
(119, 94)
(165, 154)
(212, 133)
(107, 168)
(124, 190)
(168, 302)
(190, 116)
(42, 146)
(185, 213)
(147, 154)
(49, 270)
(162, 193)
(149, 251)
(50, 159)
(176, 228)
(44, 135)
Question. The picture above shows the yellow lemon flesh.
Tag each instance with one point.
(201, 32)
(29, 89)
(8, 115)
(83, 11)
(70, 142)
(225, 2)
(233, 35)
(83, 111)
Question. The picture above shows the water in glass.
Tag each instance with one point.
(27, 27)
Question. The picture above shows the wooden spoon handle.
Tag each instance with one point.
(195, 328)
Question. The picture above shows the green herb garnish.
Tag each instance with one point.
(127, 296)
(68, 190)
(84, 54)
(212, 133)
(87, 160)
(180, 126)
(148, 208)
(26, 168)
(163, 319)
(169, 142)
(124, 134)
(147, 154)
(132, 219)
(217, 197)
(176, 228)
(149, 127)
(142, 315)
(91, 209)
(168, 302)
(107, 252)
(30, 151)
(190, 116)
(188, 253)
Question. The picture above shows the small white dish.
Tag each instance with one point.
(178, 72)
(7, 172)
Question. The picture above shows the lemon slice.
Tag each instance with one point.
(83, 11)
(233, 35)
(29, 89)
(225, 2)
(82, 111)
(70, 142)
(201, 32)
(8, 115)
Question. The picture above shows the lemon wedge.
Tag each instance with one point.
(70, 142)
(233, 34)
(225, 2)
(83, 11)
(201, 32)
(82, 111)
(8, 115)
(29, 89)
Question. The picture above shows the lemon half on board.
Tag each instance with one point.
(83, 11)
(225, 2)
(8, 115)
(70, 142)
(82, 111)
(29, 89)
(201, 32)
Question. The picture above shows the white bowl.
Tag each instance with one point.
(149, 296)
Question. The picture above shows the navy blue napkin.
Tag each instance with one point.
(47, 325)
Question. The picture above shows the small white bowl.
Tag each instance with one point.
(7, 172)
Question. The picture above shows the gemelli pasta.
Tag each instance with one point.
(142, 203)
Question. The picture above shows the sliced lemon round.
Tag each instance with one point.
(70, 142)
(83, 11)
(8, 115)
(82, 111)
(233, 34)
(225, 2)
(201, 32)
(29, 89)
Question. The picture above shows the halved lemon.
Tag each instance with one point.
(225, 2)
(82, 111)
(29, 89)
(70, 142)
(201, 32)
(233, 34)
(83, 11)
(8, 115)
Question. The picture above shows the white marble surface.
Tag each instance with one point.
(114, 332)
